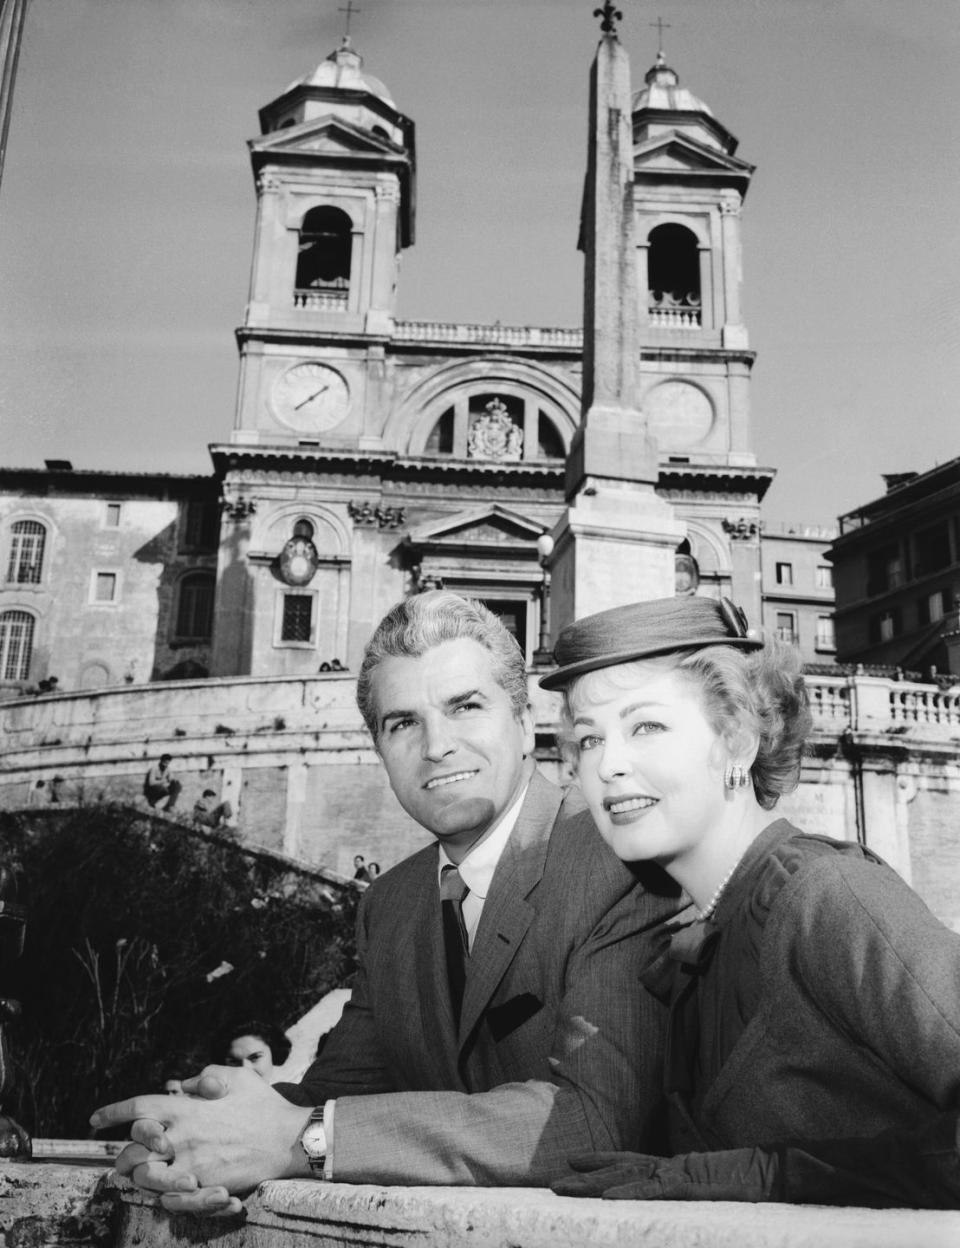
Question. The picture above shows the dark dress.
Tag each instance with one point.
(820, 1005)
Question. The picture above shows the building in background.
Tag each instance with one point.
(372, 457)
(897, 571)
(798, 595)
(108, 578)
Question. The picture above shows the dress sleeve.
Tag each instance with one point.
(881, 967)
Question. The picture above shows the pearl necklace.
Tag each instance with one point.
(708, 909)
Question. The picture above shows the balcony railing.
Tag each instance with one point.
(324, 298)
(921, 704)
(673, 318)
(489, 335)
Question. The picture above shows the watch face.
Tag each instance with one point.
(310, 398)
(314, 1142)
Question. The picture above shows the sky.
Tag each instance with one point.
(127, 208)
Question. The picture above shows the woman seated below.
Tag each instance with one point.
(814, 1036)
(261, 1047)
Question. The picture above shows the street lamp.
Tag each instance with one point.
(543, 655)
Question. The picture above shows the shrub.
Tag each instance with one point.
(128, 915)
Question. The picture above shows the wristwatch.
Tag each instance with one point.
(313, 1141)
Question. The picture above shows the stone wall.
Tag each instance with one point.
(293, 757)
(59, 1205)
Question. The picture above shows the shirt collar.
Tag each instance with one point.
(479, 865)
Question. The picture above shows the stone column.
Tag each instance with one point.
(884, 825)
(296, 797)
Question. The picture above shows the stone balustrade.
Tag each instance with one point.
(322, 299)
(674, 318)
(250, 715)
(489, 335)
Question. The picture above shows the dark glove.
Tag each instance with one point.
(745, 1174)
(917, 1169)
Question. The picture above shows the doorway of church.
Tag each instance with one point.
(513, 613)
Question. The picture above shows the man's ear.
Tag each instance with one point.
(529, 733)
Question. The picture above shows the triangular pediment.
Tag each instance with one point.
(322, 135)
(680, 152)
(484, 526)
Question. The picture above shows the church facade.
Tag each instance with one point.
(372, 457)
(549, 472)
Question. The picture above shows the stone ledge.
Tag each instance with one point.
(51, 1204)
(321, 1215)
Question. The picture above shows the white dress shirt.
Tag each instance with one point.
(479, 865)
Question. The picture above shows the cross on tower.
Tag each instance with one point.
(661, 26)
(349, 10)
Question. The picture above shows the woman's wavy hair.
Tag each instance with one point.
(272, 1036)
(758, 692)
(423, 621)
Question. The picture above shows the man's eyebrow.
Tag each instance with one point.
(458, 699)
(449, 704)
(396, 715)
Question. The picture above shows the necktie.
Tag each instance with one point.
(452, 892)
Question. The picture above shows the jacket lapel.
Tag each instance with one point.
(506, 912)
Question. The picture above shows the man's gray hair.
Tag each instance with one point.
(423, 621)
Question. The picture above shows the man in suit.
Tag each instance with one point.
(493, 1030)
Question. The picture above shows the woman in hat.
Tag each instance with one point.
(814, 1042)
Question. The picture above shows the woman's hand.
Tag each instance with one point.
(744, 1174)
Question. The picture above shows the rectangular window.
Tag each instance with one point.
(786, 626)
(200, 526)
(112, 519)
(884, 569)
(824, 576)
(16, 644)
(297, 623)
(889, 624)
(513, 615)
(195, 607)
(932, 548)
(825, 634)
(932, 607)
(26, 553)
(105, 587)
(784, 573)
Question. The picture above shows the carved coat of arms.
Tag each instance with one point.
(493, 435)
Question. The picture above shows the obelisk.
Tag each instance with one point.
(616, 541)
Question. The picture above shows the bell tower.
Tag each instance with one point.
(689, 187)
(334, 171)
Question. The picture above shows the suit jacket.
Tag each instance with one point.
(559, 1048)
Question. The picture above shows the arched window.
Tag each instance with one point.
(673, 276)
(16, 644)
(195, 607)
(549, 441)
(26, 552)
(440, 440)
(323, 260)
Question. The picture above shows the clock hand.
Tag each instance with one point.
(310, 398)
